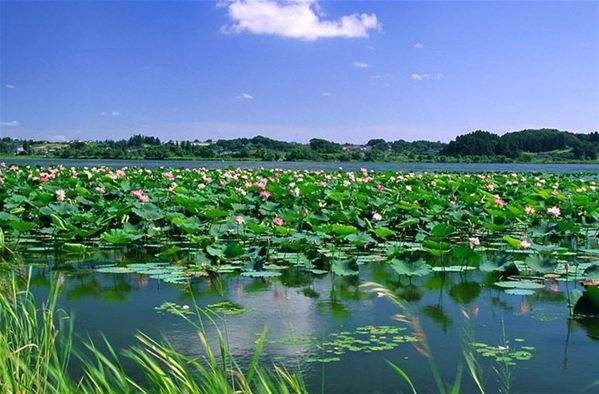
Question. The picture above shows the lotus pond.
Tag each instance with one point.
(491, 278)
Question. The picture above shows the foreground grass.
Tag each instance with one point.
(36, 344)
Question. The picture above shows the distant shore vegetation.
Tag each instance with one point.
(538, 145)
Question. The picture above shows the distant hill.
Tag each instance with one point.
(515, 144)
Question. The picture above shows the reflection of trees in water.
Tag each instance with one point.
(586, 313)
(465, 292)
(295, 277)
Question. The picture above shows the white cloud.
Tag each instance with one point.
(360, 64)
(326, 94)
(299, 19)
(12, 123)
(419, 45)
(427, 76)
(115, 113)
(9, 86)
(245, 96)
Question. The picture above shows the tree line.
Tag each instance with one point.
(525, 145)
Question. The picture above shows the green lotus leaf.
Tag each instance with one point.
(410, 268)
(344, 267)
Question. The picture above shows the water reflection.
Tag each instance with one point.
(586, 312)
(300, 305)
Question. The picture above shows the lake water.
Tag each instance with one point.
(302, 312)
(324, 166)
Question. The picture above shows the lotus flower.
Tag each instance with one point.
(60, 195)
(499, 201)
(265, 194)
(141, 196)
(473, 241)
(169, 176)
(554, 212)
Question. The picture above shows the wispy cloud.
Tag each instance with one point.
(419, 45)
(111, 113)
(245, 96)
(376, 77)
(299, 19)
(360, 64)
(427, 76)
(326, 94)
(9, 86)
(12, 123)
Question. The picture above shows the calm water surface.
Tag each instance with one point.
(324, 166)
(298, 305)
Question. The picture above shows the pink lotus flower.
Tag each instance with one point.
(1, 181)
(261, 184)
(239, 219)
(45, 177)
(529, 210)
(278, 221)
(141, 196)
(554, 212)
(60, 195)
(380, 187)
(265, 194)
(525, 244)
(377, 217)
(499, 201)
(100, 190)
(120, 174)
(169, 176)
(473, 241)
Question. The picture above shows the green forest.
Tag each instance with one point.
(539, 145)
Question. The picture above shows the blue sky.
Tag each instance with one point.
(347, 71)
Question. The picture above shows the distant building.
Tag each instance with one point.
(352, 147)
(19, 150)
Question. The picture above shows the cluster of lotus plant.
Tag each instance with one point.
(269, 218)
